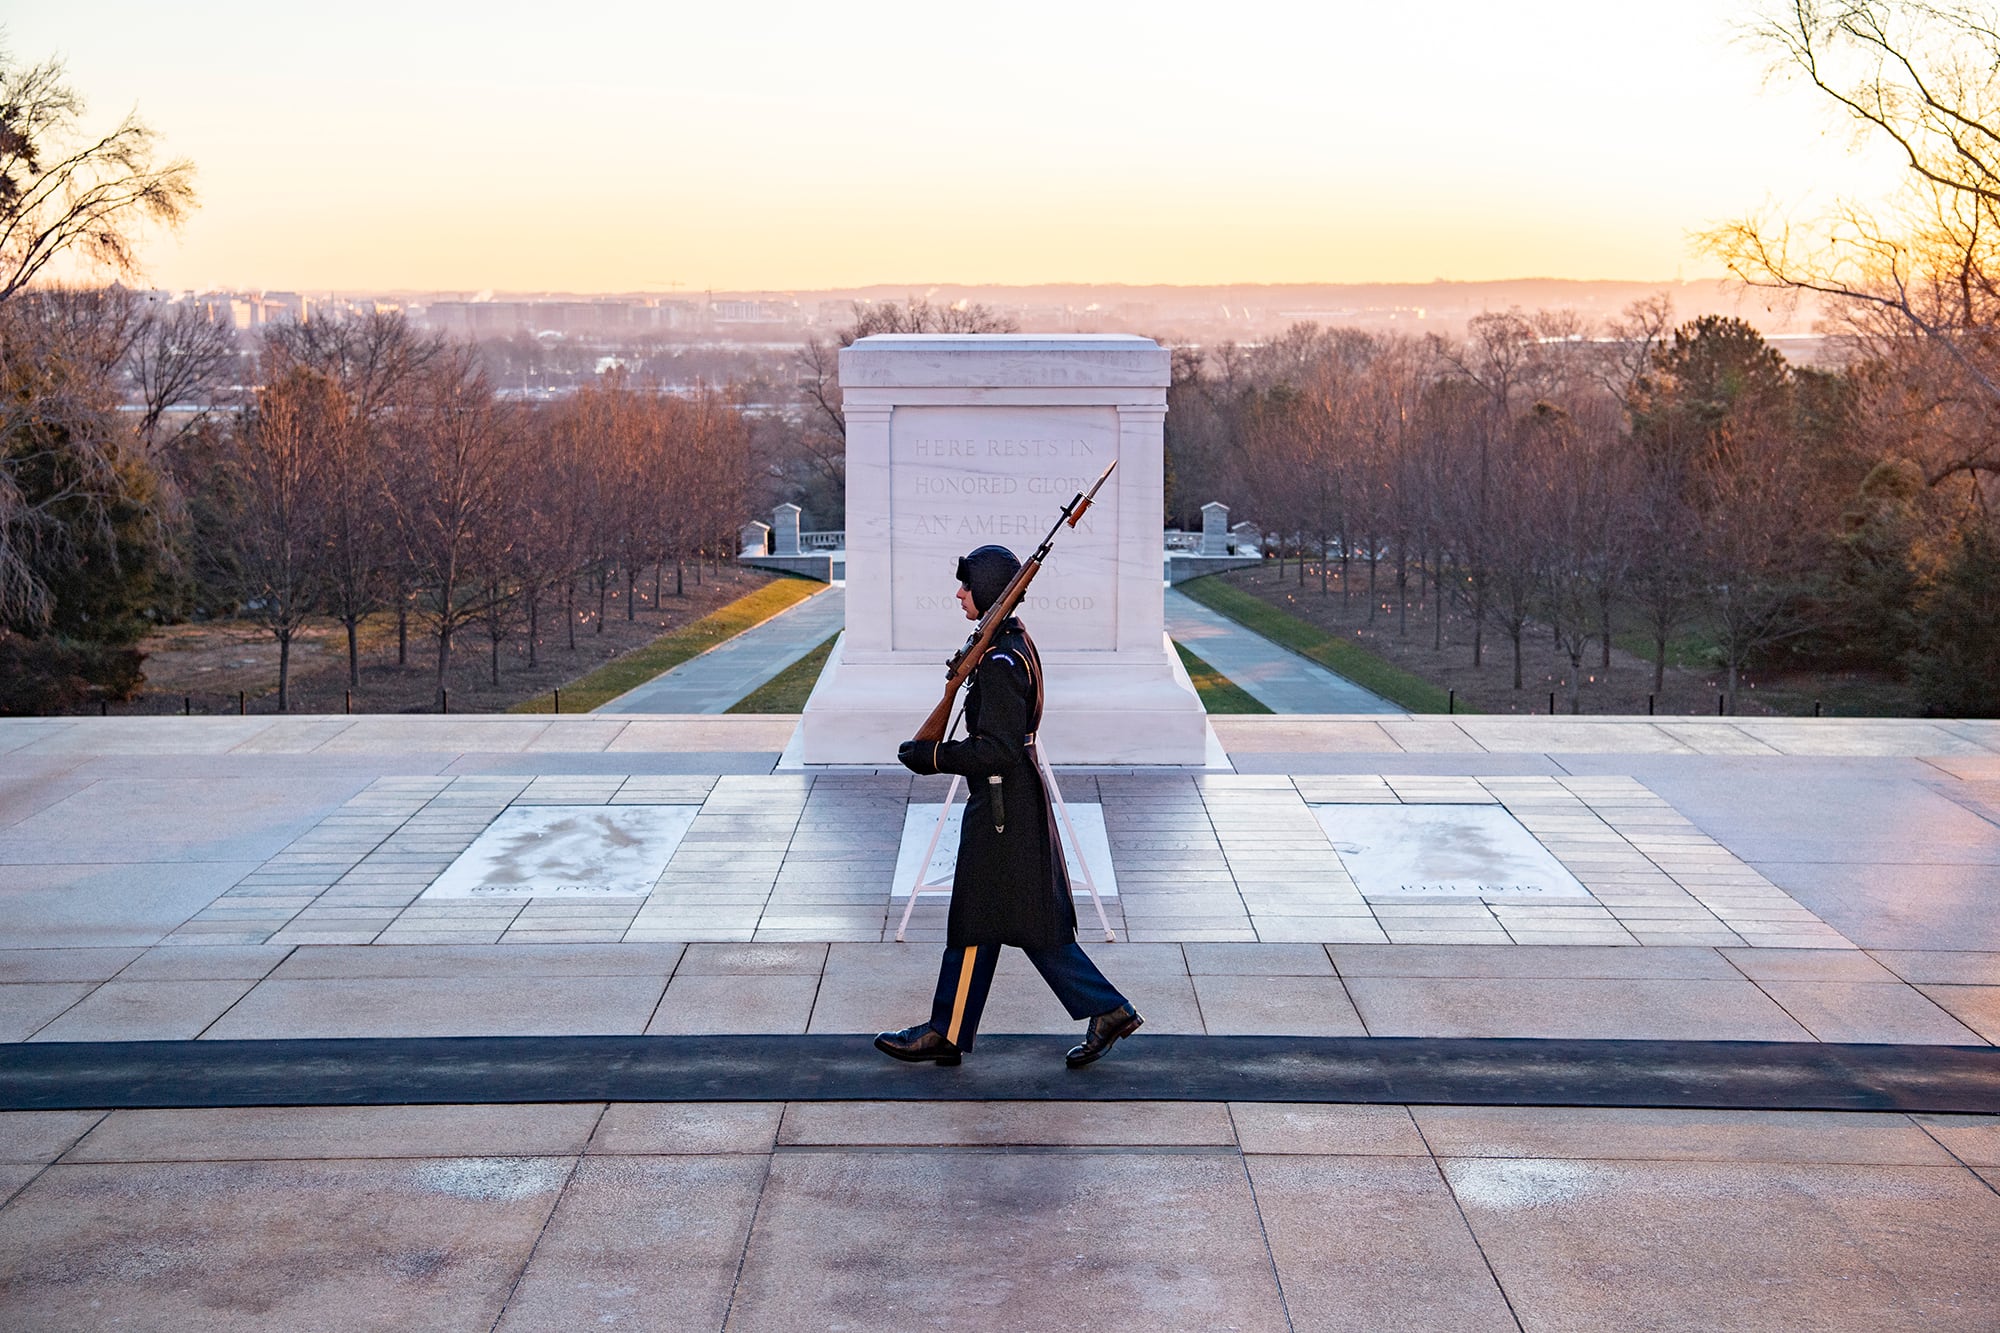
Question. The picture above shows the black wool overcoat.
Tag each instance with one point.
(1011, 887)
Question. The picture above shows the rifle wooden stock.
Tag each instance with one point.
(934, 726)
(963, 662)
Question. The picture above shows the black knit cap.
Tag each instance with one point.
(987, 572)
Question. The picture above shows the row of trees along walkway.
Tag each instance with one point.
(377, 469)
(1549, 477)
(372, 472)
(1535, 474)
(369, 470)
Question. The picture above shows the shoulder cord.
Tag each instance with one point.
(1033, 663)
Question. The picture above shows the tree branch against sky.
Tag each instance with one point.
(1917, 274)
(67, 192)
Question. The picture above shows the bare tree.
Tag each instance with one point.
(379, 361)
(377, 358)
(70, 479)
(1663, 583)
(179, 362)
(1757, 551)
(1625, 356)
(502, 531)
(1496, 357)
(280, 459)
(540, 559)
(1577, 495)
(573, 480)
(63, 189)
(1924, 268)
(360, 563)
(451, 447)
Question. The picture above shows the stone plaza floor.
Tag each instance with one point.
(1721, 881)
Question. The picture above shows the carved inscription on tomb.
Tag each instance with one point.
(961, 477)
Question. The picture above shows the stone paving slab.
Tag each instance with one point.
(1327, 1129)
(1701, 1245)
(39, 1137)
(1404, 1258)
(441, 1006)
(599, 1262)
(145, 1011)
(1216, 989)
(1977, 1007)
(1972, 1139)
(1195, 1215)
(1157, 1242)
(256, 1245)
(1679, 1010)
(946, 1124)
(637, 1128)
(292, 1133)
(1610, 1133)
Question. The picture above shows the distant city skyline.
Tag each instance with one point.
(754, 320)
(679, 148)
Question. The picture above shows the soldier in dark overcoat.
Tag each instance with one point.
(1011, 885)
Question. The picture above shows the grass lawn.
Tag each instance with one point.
(1688, 649)
(1219, 694)
(1336, 655)
(786, 692)
(673, 648)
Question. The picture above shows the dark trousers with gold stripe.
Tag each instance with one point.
(967, 974)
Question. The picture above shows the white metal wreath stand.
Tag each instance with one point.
(922, 885)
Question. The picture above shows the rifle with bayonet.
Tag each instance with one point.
(959, 669)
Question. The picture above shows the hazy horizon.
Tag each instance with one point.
(920, 290)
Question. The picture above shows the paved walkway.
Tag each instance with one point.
(1279, 679)
(190, 880)
(733, 669)
(997, 1215)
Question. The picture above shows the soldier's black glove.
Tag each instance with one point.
(919, 757)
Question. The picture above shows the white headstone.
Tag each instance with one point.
(959, 440)
(785, 524)
(756, 538)
(1215, 528)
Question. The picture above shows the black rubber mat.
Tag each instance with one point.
(1436, 1071)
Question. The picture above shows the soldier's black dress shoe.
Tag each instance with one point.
(1103, 1030)
(917, 1044)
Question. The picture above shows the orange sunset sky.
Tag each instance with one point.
(626, 146)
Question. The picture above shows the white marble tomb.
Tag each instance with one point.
(955, 441)
(1401, 852)
(567, 852)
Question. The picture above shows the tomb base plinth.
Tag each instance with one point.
(1126, 712)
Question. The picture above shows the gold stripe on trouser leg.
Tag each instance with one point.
(964, 989)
